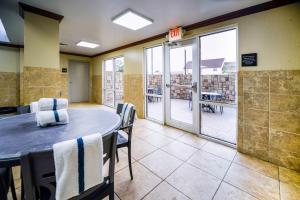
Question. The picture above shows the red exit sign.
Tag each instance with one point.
(175, 34)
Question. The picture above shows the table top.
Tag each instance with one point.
(20, 133)
(211, 93)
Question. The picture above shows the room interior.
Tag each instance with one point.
(216, 110)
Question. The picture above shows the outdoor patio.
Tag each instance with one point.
(222, 126)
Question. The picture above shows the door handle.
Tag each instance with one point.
(168, 85)
(194, 86)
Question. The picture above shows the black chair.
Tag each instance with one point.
(126, 142)
(6, 181)
(6, 175)
(39, 174)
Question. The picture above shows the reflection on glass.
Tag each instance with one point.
(154, 87)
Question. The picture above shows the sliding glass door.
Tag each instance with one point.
(113, 85)
(154, 71)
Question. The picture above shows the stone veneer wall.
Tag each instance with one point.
(223, 84)
(38, 82)
(9, 89)
(134, 92)
(269, 116)
(97, 88)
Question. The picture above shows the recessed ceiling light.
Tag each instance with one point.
(132, 20)
(87, 44)
(3, 35)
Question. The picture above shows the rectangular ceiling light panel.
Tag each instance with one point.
(132, 20)
(3, 35)
(87, 44)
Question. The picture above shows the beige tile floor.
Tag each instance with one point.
(170, 164)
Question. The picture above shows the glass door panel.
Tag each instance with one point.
(113, 81)
(181, 85)
(119, 83)
(181, 68)
(218, 96)
(154, 83)
(108, 83)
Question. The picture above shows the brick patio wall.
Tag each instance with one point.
(223, 84)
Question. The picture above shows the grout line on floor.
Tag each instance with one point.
(222, 180)
(165, 179)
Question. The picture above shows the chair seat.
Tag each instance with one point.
(121, 140)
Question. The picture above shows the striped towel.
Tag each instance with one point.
(78, 165)
(125, 114)
(52, 117)
(34, 107)
(52, 104)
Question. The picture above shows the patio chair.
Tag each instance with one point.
(123, 141)
(39, 174)
(6, 181)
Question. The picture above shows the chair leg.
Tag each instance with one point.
(112, 196)
(112, 193)
(12, 186)
(129, 161)
(117, 154)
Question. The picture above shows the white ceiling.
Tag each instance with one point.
(90, 20)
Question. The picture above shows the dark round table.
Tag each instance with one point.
(20, 133)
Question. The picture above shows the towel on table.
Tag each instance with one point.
(52, 104)
(78, 165)
(125, 114)
(34, 107)
(52, 117)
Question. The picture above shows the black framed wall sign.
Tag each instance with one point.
(249, 60)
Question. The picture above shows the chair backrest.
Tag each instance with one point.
(38, 171)
(131, 120)
(132, 114)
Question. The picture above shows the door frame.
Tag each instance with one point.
(194, 127)
(113, 77)
(197, 37)
(89, 81)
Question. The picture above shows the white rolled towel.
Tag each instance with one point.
(52, 117)
(52, 104)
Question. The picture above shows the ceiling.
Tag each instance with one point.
(90, 20)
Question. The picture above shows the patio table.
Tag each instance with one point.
(210, 97)
(20, 134)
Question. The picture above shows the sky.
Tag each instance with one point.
(219, 45)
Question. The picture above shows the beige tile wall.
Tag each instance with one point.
(9, 89)
(38, 82)
(97, 89)
(269, 116)
(134, 92)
